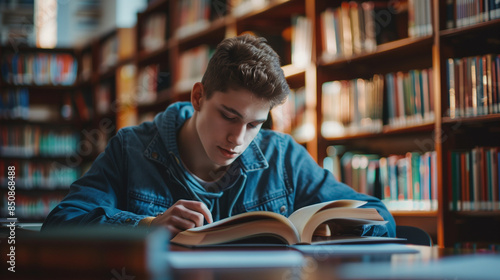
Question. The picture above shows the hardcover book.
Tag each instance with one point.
(327, 222)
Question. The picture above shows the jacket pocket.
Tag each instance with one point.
(145, 203)
(274, 202)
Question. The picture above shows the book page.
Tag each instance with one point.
(240, 227)
(301, 216)
(343, 217)
(239, 232)
(241, 219)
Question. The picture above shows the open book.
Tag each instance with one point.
(322, 222)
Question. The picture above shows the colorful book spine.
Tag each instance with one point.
(473, 85)
(409, 97)
(402, 182)
(352, 106)
(37, 68)
(30, 207)
(40, 174)
(461, 13)
(195, 15)
(154, 35)
(33, 140)
(474, 184)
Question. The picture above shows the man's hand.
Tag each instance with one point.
(184, 214)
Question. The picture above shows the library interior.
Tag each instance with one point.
(398, 99)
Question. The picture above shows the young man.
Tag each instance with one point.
(208, 159)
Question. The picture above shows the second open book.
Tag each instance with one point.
(328, 221)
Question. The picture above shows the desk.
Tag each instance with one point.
(127, 255)
(320, 267)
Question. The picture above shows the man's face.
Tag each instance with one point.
(228, 122)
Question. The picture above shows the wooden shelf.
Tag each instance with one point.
(473, 119)
(212, 31)
(47, 97)
(274, 10)
(489, 26)
(145, 57)
(396, 48)
(475, 214)
(273, 21)
(386, 130)
(414, 213)
(59, 123)
(40, 190)
(421, 127)
(42, 88)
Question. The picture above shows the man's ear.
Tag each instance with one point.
(197, 94)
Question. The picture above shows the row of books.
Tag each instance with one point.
(410, 181)
(86, 64)
(475, 181)
(348, 29)
(150, 81)
(460, 13)
(126, 94)
(419, 18)
(17, 23)
(291, 117)
(352, 106)
(241, 7)
(473, 85)
(403, 182)
(32, 207)
(39, 68)
(78, 106)
(126, 85)
(410, 97)
(154, 32)
(14, 104)
(108, 53)
(193, 63)
(33, 140)
(39, 174)
(354, 28)
(119, 46)
(103, 98)
(478, 247)
(301, 41)
(195, 15)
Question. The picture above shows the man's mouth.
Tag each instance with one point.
(228, 153)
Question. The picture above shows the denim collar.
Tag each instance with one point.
(164, 143)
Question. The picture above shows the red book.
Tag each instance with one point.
(463, 182)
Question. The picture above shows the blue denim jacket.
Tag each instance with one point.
(140, 174)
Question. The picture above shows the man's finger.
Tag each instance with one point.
(199, 207)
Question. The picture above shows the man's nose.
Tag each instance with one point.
(237, 135)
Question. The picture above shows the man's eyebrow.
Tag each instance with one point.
(231, 110)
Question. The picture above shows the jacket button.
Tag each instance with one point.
(283, 209)
(128, 220)
(154, 155)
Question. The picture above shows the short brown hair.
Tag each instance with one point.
(247, 62)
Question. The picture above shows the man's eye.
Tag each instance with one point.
(227, 117)
(251, 125)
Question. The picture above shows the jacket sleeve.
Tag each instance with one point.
(313, 184)
(96, 198)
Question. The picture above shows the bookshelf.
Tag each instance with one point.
(395, 71)
(111, 61)
(40, 128)
(470, 192)
(397, 68)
